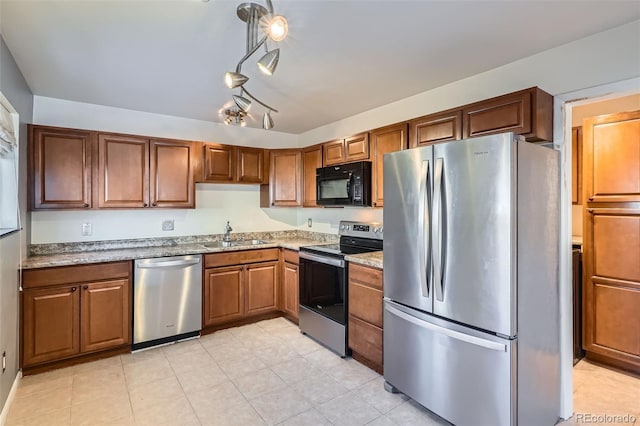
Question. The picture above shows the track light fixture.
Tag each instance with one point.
(260, 20)
(237, 115)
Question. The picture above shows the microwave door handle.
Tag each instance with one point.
(349, 195)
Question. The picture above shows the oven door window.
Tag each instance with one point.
(322, 289)
(333, 189)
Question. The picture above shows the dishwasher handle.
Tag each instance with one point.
(153, 265)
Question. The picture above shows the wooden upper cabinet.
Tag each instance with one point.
(333, 152)
(435, 128)
(250, 165)
(353, 148)
(219, 163)
(357, 147)
(60, 168)
(123, 171)
(311, 160)
(612, 158)
(576, 165)
(171, 171)
(383, 141)
(285, 183)
(528, 112)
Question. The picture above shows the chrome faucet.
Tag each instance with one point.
(227, 233)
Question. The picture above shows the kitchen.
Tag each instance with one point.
(215, 204)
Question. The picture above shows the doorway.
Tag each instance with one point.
(597, 389)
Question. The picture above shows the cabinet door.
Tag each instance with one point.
(219, 163)
(357, 147)
(223, 295)
(261, 284)
(508, 113)
(576, 165)
(383, 141)
(290, 289)
(285, 185)
(311, 160)
(333, 152)
(50, 323)
(435, 128)
(250, 165)
(104, 315)
(60, 168)
(171, 182)
(123, 171)
(365, 294)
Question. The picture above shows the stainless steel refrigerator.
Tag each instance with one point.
(471, 312)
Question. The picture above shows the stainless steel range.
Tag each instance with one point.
(323, 283)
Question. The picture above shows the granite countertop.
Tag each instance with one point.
(576, 240)
(373, 259)
(65, 254)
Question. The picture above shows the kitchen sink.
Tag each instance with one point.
(235, 243)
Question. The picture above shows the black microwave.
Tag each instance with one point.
(344, 185)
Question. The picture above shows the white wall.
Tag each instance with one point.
(605, 57)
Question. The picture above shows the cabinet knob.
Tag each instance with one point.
(590, 198)
(86, 287)
(154, 204)
(73, 289)
(144, 204)
(86, 205)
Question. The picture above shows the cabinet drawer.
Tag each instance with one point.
(44, 277)
(365, 303)
(240, 257)
(290, 256)
(365, 339)
(365, 275)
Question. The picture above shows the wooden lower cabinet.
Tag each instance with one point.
(239, 285)
(365, 315)
(223, 295)
(290, 285)
(51, 324)
(76, 310)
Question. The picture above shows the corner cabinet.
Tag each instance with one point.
(383, 141)
(239, 285)
(285, 180)
(60, 168)
(72, 311)
(365, 315)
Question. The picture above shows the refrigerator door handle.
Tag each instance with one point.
(423, 223)
(437, 236)
(477, 341)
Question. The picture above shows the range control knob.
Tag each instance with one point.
(343, 227)
(376, 230)
(348, 227)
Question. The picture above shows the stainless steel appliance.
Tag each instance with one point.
(344, 185)
(167, 300)
(471, 312)
(323, 283)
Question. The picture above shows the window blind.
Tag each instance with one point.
(7, 133)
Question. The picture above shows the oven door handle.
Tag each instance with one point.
(321, 259)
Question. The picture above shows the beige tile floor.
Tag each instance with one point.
(263, 373)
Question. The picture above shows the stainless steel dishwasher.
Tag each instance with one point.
(167, 297)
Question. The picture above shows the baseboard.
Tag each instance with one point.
(10, 397)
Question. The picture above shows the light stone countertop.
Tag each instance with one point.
(373, 259)
(110, 254)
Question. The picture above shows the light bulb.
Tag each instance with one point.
(277, 28)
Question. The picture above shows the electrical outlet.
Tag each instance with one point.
(87, 229)
(309, 222)
(4, 361)
(167, 225)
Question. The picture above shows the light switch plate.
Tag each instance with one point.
(87, 229)
(167, 225)
(309, 222)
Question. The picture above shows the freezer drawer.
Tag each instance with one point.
(463, 375)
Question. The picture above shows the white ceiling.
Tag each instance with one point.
(340, 57)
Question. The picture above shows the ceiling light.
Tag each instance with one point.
(243, 103)
(277, 27)
(269, 62)
(262, 24)
(267, 121)
(235, 79)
